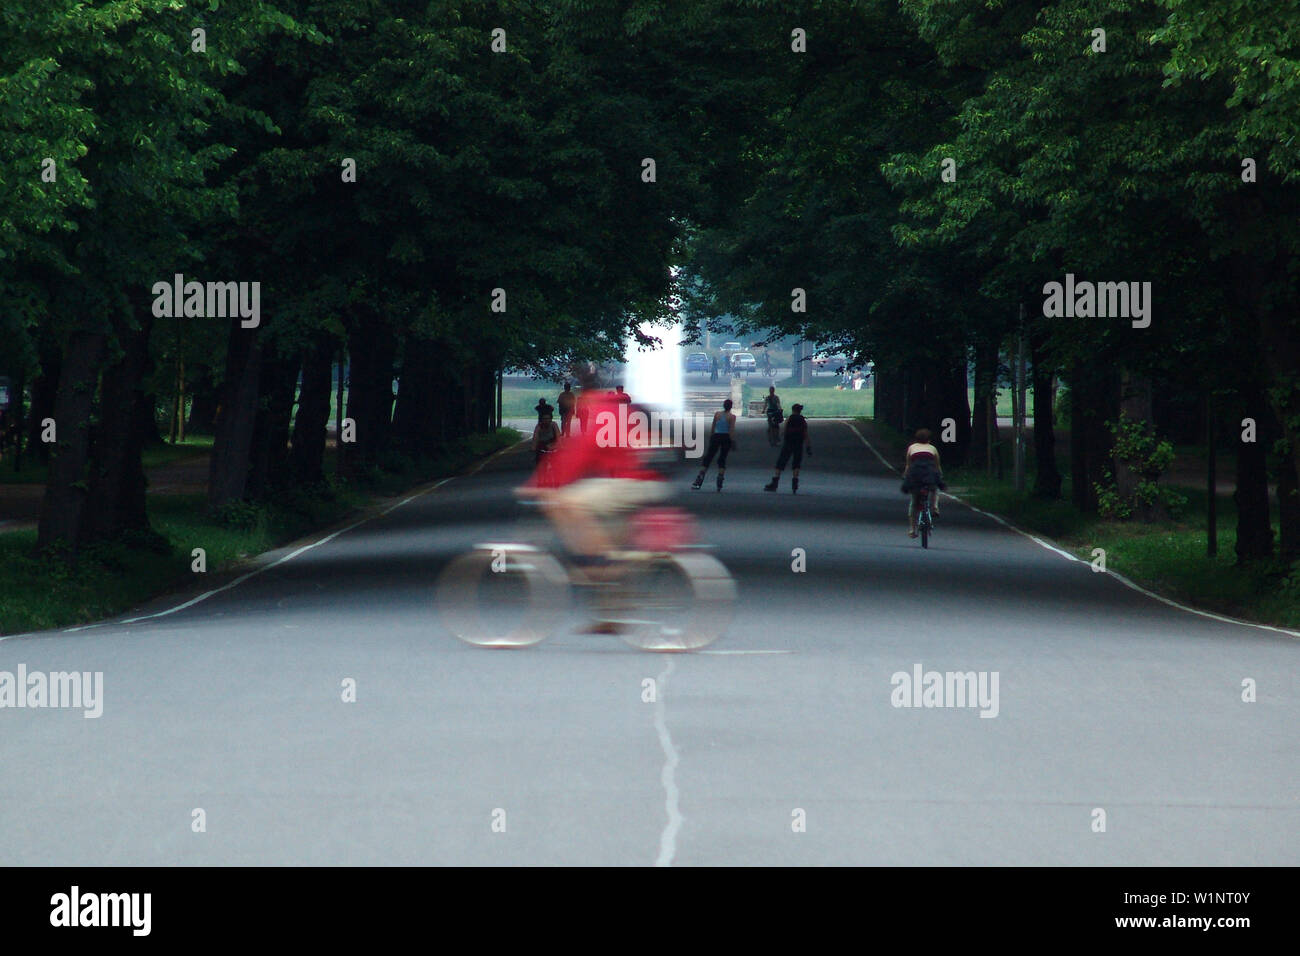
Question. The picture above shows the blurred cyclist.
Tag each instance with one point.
(591, 483)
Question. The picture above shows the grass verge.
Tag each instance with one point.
(818, 402)
(38, 592)
(1167, 558)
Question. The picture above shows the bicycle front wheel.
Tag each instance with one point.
(503, 596)
(677, 602)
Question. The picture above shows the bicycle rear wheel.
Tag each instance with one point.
(678, 602)
(503, 596)
(925, 530)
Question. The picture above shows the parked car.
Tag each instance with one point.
(698, 362)
(744, 362)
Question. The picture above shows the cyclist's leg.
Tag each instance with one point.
(576, 523)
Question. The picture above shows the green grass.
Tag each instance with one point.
(1168, 558)
(819, 402)
(41, 591)
(518, 402)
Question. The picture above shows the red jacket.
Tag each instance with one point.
(581, 456)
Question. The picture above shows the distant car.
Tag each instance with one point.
(731, 347)
(744, 362)
(698, 362)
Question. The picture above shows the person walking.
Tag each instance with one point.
(775, 415)
(721, 442)
(713, 376)
(565, 403)
(793, 446)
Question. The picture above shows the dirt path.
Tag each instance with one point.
(20, 505)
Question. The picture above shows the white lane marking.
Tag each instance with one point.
(1114, 574)
(226, 587)
(744, 652)
(667, 839)
(288, 557)
(414, 496)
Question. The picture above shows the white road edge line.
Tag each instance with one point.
(288, 557)
(1065, 554)
(667, 839)
(744, 652)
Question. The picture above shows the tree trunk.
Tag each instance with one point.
(228, 468)
(372, 349)
(116, 499)
(986, 370)
(1092, 404)
(1288, 504)
(269, 454)
(307, 454)
(1047, 479)
(203, 405)
(1254, 532)
(65, 491)
(45, 391)
(955, 398)
(415, 430)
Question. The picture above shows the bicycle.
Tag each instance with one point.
(924, 520)
(774, 431)
(670, 595)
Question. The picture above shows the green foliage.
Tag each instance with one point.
(1148, 458)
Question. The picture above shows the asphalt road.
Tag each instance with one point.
(1107, 700)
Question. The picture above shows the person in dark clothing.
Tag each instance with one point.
(713, 376)
(720, 443)
(544, 409)
(566, 402)
(921, 473)
(793, 446)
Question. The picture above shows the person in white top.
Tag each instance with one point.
(922, 471)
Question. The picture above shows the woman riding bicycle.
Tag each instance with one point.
(921, 474)
(775, 416)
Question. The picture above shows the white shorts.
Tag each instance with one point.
(609, 496)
